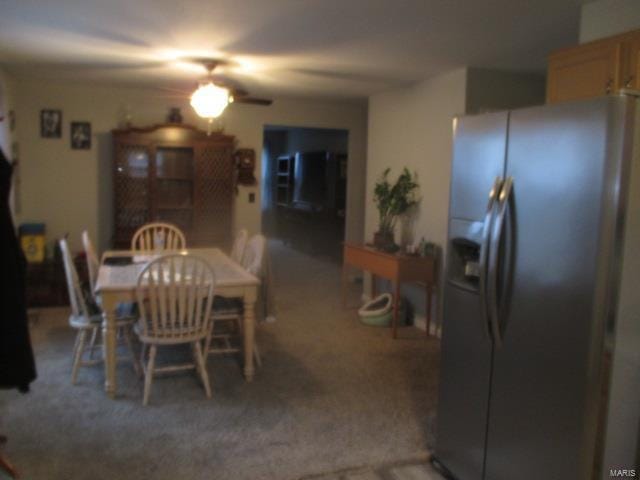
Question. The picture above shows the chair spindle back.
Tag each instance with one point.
(239, 245)
(76, 298)
(254, 254)
(175, 295)
(93, 264)
(158, 237)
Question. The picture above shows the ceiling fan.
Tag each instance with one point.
(214, 93)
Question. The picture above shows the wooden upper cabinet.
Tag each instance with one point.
(631, 66)
(594, 69)
(587, 71)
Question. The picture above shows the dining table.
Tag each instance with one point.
(117, 283)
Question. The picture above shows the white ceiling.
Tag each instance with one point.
(327, 48)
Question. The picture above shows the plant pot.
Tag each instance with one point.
(383, 240)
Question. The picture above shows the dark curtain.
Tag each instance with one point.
(17, 366)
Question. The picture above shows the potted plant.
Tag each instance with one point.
(392, 202)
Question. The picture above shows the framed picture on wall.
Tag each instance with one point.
(80, 135)
(51, 123)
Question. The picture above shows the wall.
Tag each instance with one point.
(604, 18)
(71, 189)
(412, 127)
(7, 104)
(498, 90)
(309, 140)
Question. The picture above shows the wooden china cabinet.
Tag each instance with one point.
(174, 173)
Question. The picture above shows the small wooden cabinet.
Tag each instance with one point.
(177, 174)
(594, 69)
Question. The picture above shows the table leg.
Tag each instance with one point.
(396, 304)
(249, 333)
(344, 285)
(374, 287)
(428, 308)
(109, 341)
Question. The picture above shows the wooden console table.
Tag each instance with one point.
(397, 268)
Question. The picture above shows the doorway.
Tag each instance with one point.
(305, 187)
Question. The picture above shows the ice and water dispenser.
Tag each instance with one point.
(464, 254)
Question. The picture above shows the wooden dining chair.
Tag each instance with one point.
(175, 295)
(124, 309)
(158, 237)
(227, 316)
(239, 244)
(254, 254)
(88, 320)
(5, 465)
(93, 263)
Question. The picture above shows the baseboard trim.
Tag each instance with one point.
(420, 321)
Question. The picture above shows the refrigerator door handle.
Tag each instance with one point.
(484, 254)
(494, 252)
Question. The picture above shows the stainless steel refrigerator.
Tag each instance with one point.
(540, 369)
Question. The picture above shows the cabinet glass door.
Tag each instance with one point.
(131, 187)
(174, 186)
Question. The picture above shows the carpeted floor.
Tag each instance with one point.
(332, 394)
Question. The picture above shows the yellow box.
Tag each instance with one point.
(33, 248)
(32, 241)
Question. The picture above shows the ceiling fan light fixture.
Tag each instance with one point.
(210, 100)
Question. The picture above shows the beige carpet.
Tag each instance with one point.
(332, 395)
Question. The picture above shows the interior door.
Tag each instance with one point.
(542, 419)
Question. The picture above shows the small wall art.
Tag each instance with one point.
(80, 135)
(51, 123)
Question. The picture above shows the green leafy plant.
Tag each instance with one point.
(394, 200)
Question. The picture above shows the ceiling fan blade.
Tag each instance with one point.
(228, 83)
(174, 97)
(173, 89)
(253, 101)
(238, 92)
(172, 93)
